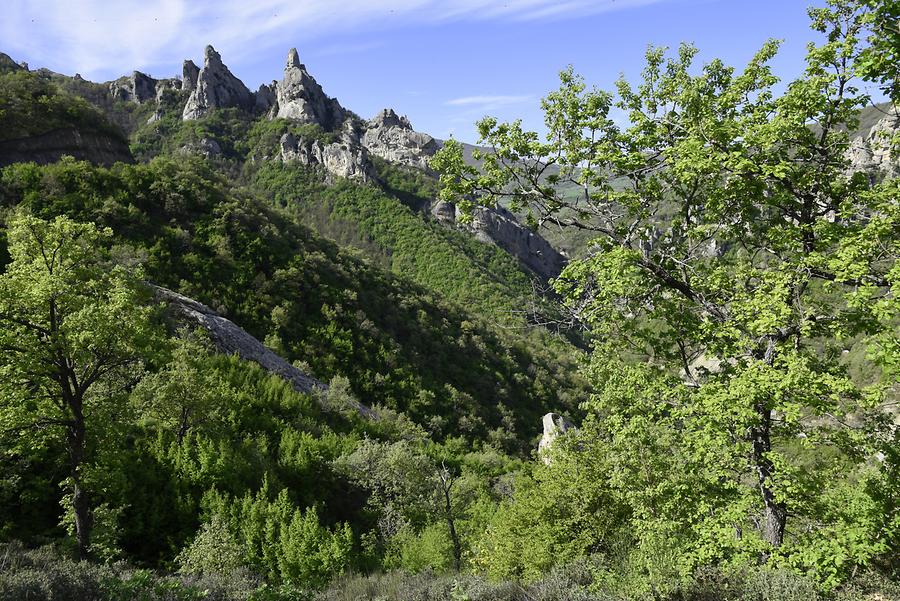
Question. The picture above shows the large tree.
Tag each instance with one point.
(735, 257)
(73, 323)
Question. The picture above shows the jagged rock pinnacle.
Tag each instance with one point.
(293, 60)
(216, 87)
(210, 55)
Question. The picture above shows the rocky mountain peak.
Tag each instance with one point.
(389, 118)
(216, 87)
(391, 137)
(211, 57)
(293, 60)
(299, 97)
(873, 153)
(189, 74)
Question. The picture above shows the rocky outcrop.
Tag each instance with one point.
(392, 138)
(216, 87)
(206, 147)
(8, 65)
(300, 98)
(265, 97)
(499, 226)
(343, 158)
(189, 74)
(96, 147)
(873, 152)
(137, 87)
(555, 426)
(230, 339)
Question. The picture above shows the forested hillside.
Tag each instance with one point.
(694, 399)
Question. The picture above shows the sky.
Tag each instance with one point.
(444, 64)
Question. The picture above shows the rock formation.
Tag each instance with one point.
(7, 64)
(216, 88)
(555, 426)
(189, 74)
(500, 227)
(137, 87)
(300, 98)
(392, 138)
(343, 158)
(872, 152)
(230, 339)
(206, 147)
(265, 97)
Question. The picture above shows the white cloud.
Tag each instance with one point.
(106, 37)
(481, 101)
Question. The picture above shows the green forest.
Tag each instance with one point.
(723, 346)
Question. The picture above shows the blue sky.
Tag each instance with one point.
(444, 64)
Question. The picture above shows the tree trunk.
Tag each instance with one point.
(80, 502)
(446, 486)
(775, 513)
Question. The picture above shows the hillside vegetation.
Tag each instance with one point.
(715, 371)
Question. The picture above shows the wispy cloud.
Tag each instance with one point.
(99, 37)
(480, 101)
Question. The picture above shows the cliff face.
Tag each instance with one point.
(96, 147)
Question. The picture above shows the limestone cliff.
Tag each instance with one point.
(216, 87)
(342, 158)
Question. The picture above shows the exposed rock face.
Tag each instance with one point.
(137, 87)
(216, 88)
(189, 74)
(500, 227)
(230, 339)
(344, 158)
(96, 147)
(206, 147)
(872, 153)
(392, 138)
(265, 97)
(7, 64)
(554, 426)
(300, 98)
(445, 212)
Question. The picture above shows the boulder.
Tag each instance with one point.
(392, 138)
(216, 87)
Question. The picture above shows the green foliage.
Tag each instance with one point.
(30, 104)
(734, 259)
(75, 327)
(285, 543)
(400, 345)
(213, 551)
